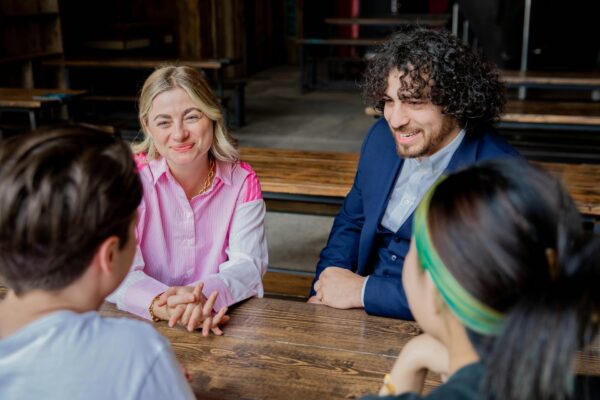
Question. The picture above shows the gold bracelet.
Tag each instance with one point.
(388, 385)
(153, 317)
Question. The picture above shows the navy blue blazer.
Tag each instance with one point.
(351, 241)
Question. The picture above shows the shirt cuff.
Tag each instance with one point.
(362, 292)
(214, 283)
(140, 294)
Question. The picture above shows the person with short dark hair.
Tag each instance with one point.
(439, 100)
(68, 201)
(503, 281)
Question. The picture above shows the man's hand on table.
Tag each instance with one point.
(338, 288)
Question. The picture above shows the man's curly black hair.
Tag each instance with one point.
(440, 68)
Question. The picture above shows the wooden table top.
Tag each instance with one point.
(30, 98)
(331, 174)
(282, 349)
(136, 63)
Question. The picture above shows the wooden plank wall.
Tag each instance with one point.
(251, 32)
(212, 29)
(29, 31)
(189, 28)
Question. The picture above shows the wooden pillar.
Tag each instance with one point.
(229, 29)
(239, 21)
(189, 29)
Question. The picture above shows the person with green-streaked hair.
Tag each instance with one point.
(503, 280)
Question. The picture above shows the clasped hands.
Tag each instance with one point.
(188, 307)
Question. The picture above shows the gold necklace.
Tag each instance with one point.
(209, 178)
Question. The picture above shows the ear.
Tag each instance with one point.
(433, 296)
(106, 255)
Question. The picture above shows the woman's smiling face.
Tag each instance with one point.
(181, 132)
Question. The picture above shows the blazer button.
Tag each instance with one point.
(396, 239)
(394, 257)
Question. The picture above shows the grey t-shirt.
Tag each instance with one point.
(66, 355)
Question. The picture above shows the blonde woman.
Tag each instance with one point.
(201, 236)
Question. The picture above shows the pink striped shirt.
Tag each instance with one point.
(217, 237)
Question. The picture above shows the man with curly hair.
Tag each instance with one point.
(439, 100)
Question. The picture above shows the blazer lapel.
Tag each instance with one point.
(383, 183)
(465, 155)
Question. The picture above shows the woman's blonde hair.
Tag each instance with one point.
(165, 78)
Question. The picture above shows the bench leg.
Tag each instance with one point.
(305, 74)
(32, 120)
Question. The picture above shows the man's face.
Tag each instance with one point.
(419, 127)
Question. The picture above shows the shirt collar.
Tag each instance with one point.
(438, 162)
(224, 171)
(159, 167)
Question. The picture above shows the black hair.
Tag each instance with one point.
(440, 68)
(513, 238)
(63, 191)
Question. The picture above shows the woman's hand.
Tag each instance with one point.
(187, 306)
(196, 315)
(421, 354)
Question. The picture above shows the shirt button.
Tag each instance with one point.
(394, 257)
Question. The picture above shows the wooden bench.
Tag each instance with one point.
(340, 42)
(34, 101)
(317, 182)
(431, 20)
(326, 177)
(551, 115)
(292, 285)
(568, 80)
(555, 80)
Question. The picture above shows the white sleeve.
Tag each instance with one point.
(247, 253)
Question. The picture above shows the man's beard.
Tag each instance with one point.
(433, 141)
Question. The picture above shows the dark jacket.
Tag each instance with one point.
(352, 243)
